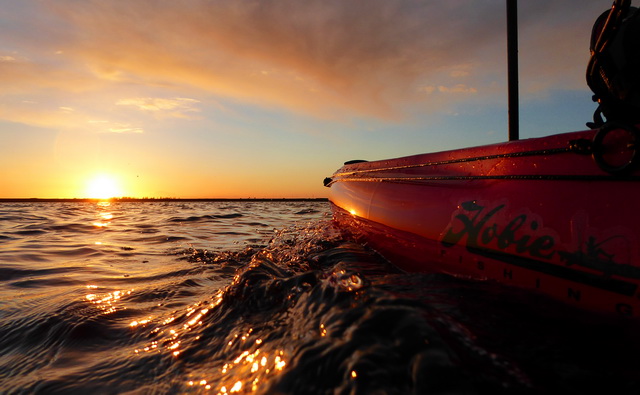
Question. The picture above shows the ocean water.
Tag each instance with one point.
(268, 297)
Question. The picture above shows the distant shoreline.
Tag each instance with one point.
(87, 200)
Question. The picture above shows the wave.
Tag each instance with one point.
(207, 217)
(12, 273)
(307, 211)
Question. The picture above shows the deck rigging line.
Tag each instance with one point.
(550, 151)
(547, 177)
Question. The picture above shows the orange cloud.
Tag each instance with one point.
(328, 58)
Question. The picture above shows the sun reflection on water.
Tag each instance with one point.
(173, 343)
(108, 302)
(248, 366)
(254, 366)
(104, 216)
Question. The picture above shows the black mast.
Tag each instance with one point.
(512, 65)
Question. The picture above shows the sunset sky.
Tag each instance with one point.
(234, 98)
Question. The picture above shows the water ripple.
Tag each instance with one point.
(205, 217)
(191, 298)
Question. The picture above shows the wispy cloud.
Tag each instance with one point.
(178, 107)
(458, 88)
(104, 126)
(328, 58)
(125, 128)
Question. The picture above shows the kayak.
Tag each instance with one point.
(558, 214)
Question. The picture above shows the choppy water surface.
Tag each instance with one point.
(267, 297)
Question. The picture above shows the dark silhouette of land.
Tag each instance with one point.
(127, 199)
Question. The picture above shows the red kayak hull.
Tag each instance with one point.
(539, 213)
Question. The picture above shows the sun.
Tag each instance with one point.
(103, 187)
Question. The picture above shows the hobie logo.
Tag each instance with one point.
(481, 229)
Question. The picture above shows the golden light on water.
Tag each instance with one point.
(249, 365)
(248, 369)
(109, 302)
(103, 187)
(104, 216)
